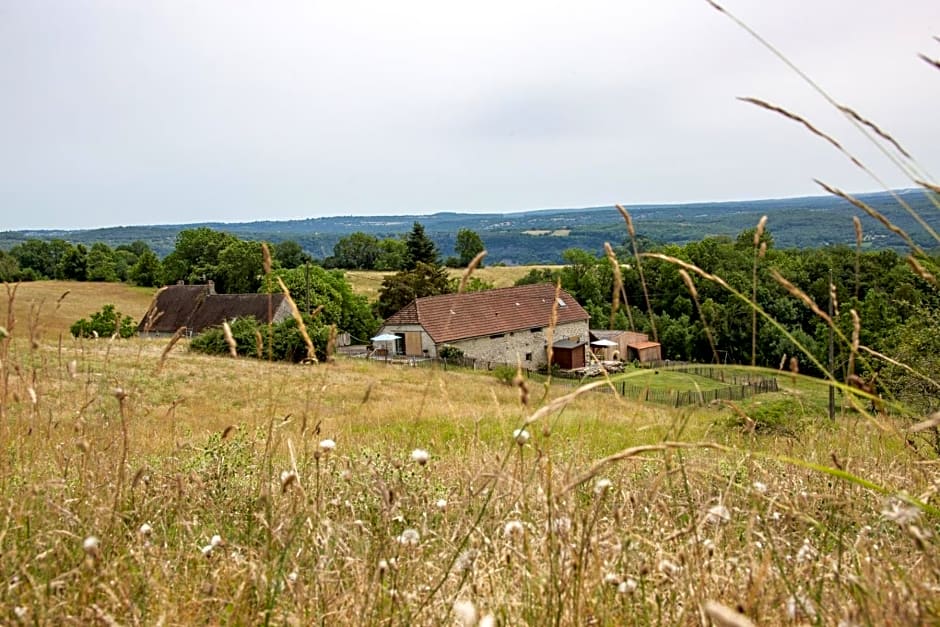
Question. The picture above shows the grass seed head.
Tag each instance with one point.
(602, 486)
(513, 529)
(409, 537)
(466, 612)
(420, 456)
(92, 546)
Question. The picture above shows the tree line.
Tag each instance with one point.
(895, 306)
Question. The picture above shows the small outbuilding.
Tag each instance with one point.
(627, 346)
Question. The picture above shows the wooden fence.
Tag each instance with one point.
(739, 385)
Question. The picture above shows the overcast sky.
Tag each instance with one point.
(116, 112)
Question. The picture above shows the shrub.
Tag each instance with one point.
(283, 343)
(504, 374)
(449, 352)
(104, 323)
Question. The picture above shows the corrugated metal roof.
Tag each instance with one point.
(568, 344)
(453, 317)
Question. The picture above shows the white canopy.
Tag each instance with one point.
(603, 342)
(385, 337)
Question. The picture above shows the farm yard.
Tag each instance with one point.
(145, 484)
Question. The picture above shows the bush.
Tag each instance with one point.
(778, 417)
(104, 323)
(282, 343)
(504, 374)
(449, 352)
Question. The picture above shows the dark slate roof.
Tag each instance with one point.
(568, 344)
(172, 307)
(198, 307)
(218, 308)
(453, 317)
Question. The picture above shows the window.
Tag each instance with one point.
(497, 336)
(535, 330)
(528, 356)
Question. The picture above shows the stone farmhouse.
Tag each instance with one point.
(199, 307)
(505, 325)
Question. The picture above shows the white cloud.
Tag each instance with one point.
(172, 112)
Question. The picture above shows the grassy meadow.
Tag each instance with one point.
(369, 282)
(144, 484)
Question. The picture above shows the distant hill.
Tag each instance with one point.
(540, 236)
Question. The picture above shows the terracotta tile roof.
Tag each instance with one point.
(454, 317)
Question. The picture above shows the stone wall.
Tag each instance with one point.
(518, 345)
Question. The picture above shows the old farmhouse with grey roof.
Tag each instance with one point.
(198, 307)
(506, 325)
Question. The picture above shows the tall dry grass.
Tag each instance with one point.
(243, 491)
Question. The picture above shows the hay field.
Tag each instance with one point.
(143, 484)
(368, 282)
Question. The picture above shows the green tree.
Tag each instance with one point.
(239, 268)
(9, 268)
(148, 271)
(421, 249)
(357, 251)
(403, 287)
(289, 254)
(195, 258)
(468, 245)
(916, 344)
(75, 264)
(101, 263)
(392, 254)
(137, 247)
(313, 287)
(35, 255)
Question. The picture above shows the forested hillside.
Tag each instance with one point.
(541, 236)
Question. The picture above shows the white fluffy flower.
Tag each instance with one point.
(327, 445)
(216, 540)
(521, 436)
(409, 537)
(669, 568)
(800, 606)
(420, 456)
(602, 485)
(441, 504)
(718, 514)
(145, 530)
(466, 612)
(91, 545)
(628, 586)
(513, 528)
(897, 511)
